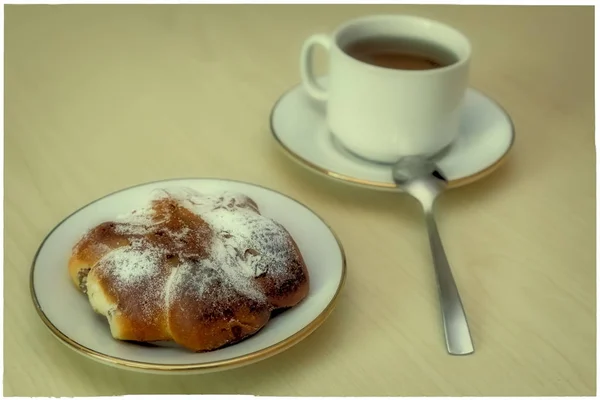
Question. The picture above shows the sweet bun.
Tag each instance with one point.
(201, 270)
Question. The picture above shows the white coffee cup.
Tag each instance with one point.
(382, 113)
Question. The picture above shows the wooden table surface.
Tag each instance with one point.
(98, 98)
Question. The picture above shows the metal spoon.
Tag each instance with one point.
(421, 178)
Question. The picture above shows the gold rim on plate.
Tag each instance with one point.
(454, 183)
(206, 366)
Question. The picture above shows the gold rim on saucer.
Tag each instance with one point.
(212, 366)
(454, 183)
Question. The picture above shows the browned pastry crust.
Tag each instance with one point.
(203, 271)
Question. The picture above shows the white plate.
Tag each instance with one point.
(68, 315)
(299, 126)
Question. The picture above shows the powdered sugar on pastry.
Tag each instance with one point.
(214, 250)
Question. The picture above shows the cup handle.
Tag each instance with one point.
(306, 65)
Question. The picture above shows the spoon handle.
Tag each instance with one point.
(456, 328)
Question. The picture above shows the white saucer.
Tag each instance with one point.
(298, 125)
(68, 315)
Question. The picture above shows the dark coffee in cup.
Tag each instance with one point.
(400, 53)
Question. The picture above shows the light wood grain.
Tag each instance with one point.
(98, 98)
